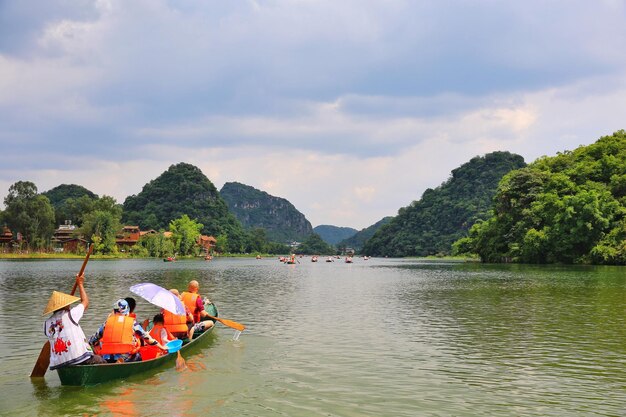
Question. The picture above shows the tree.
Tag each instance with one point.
(185, 233)
(569, 208)
(101, 227)
(315, 245)
(29, 213)
(157, 245)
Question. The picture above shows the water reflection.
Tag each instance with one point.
(386, 337)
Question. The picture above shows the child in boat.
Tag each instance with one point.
(159, 332)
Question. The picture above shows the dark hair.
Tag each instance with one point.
(131, 303)
(158, 318)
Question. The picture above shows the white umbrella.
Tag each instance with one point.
(159, 296)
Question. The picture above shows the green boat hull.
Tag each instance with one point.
(81, 375)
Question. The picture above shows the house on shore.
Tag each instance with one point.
(66, 238)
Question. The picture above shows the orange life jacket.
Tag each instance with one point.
(189, 299)
(174, 323)
(156, 333)
(118, 336)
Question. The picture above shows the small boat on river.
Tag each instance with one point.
(169, 259)
(81, 375)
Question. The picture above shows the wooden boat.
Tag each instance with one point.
(81, 375)
(349, 260)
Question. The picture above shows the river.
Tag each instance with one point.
(378, 337)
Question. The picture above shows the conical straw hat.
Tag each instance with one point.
(59, 300)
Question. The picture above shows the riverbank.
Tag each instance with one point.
(45, 255)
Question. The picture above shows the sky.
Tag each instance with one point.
(349, 109)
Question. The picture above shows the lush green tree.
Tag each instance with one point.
(569, 208)
(221, 244)
(185, 233)
(315, 245)
(257, 240)
(101, 227)
(29, 214)
(157, 245)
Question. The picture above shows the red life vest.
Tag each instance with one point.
(189, 299)
(175, 323)
(118, 336)
(156, 333)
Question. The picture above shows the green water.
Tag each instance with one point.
(372, 338)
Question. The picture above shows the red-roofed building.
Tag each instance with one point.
(129, 237)
(207, 242)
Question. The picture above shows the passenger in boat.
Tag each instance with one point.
(159, 332)
(194, 302)
(132, 303)
(118, 339)
(181, 326)
(68, 344)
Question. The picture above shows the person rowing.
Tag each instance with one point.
(68, 344)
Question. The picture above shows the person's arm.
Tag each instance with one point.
(140, 332)
(199, 304)
(84, 299)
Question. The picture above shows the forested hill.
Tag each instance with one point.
(182, 189)
(333, 234)
(258, 209)
(70, 202)
(570, 208)
(430, 225)
(357, 240)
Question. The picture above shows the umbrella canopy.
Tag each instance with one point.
(159, 296)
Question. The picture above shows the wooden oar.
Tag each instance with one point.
(43, 361)
(180, 362)
(229, 323)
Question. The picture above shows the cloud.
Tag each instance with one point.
(383, 97)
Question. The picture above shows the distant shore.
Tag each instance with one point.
(45, 255)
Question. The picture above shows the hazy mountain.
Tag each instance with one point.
(333, 234)
(255, 208)
(357, 240)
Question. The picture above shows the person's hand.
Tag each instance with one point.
(80, 279)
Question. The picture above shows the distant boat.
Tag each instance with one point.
(314, 259)
(330, 259)
(349, 260)
(365, 258)
(169, 259)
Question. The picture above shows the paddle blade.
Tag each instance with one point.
(43, 361)
(229, 323)
(180, 362)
